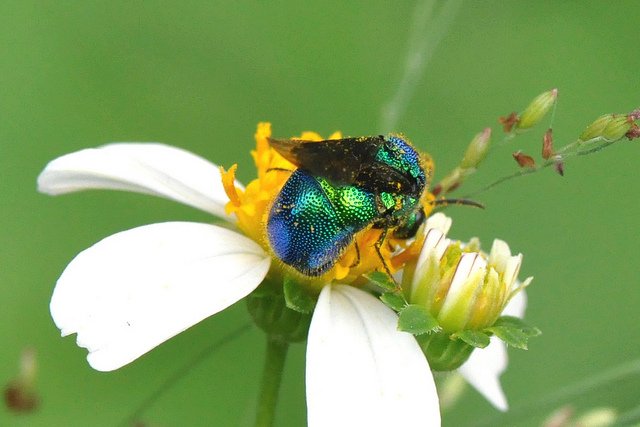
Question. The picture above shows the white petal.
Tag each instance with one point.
(468, 266)
(435, 244)
(516, 305)
(483, 370)
(149, 168)
(136, 289)
(362, 371)
(484, 367)
(499, 255)
(438, 221)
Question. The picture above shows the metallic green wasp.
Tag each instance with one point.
(340, 188)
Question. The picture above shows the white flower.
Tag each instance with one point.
(136, 289)
(473, 289)
(485, 365)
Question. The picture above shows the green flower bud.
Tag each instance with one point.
(451, 181)
(595, 129)
(598, 417)
(464, 289)
(617, 127)
(537, 109)
(477, 150)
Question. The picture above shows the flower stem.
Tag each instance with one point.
(271, 379)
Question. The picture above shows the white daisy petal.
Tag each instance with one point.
(483, 369)
(149, 168)
(500, 254)
(136, 289)
(485, 366)
(516, 305)
(438, 221)
(464, 278)
(435, 242)
(361, 370)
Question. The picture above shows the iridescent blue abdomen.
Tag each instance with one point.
(311, 222)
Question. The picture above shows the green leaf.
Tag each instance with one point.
(516, 322)
(475, 338)
(382, 280)
(513, 331)
(510, 335)
(296, 297)
(394, 301)
(417, 320)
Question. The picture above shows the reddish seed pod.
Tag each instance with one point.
(524, 160)
(633, 133)
(508, 122)
(18, 398)
(547, 144)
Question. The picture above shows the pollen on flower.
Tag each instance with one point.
(228, 183)
(250, 205)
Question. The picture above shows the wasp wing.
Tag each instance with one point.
(338, 160)
(346, 161)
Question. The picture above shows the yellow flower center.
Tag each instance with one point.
(251, 206)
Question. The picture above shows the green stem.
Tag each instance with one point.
(271, 379)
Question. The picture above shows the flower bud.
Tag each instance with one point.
(537, 109)
(612, 127)
(450, 182)
(594, 130)
(598, 417)
(617, 127)
(547, 144)
(462, 289)
(477, 150)
(20, 394)
(475, 154)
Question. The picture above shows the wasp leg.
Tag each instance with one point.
(378, 245)
(357, 261)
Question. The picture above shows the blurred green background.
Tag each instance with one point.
(200, 75)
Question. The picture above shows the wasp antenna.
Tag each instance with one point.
(462, 202)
